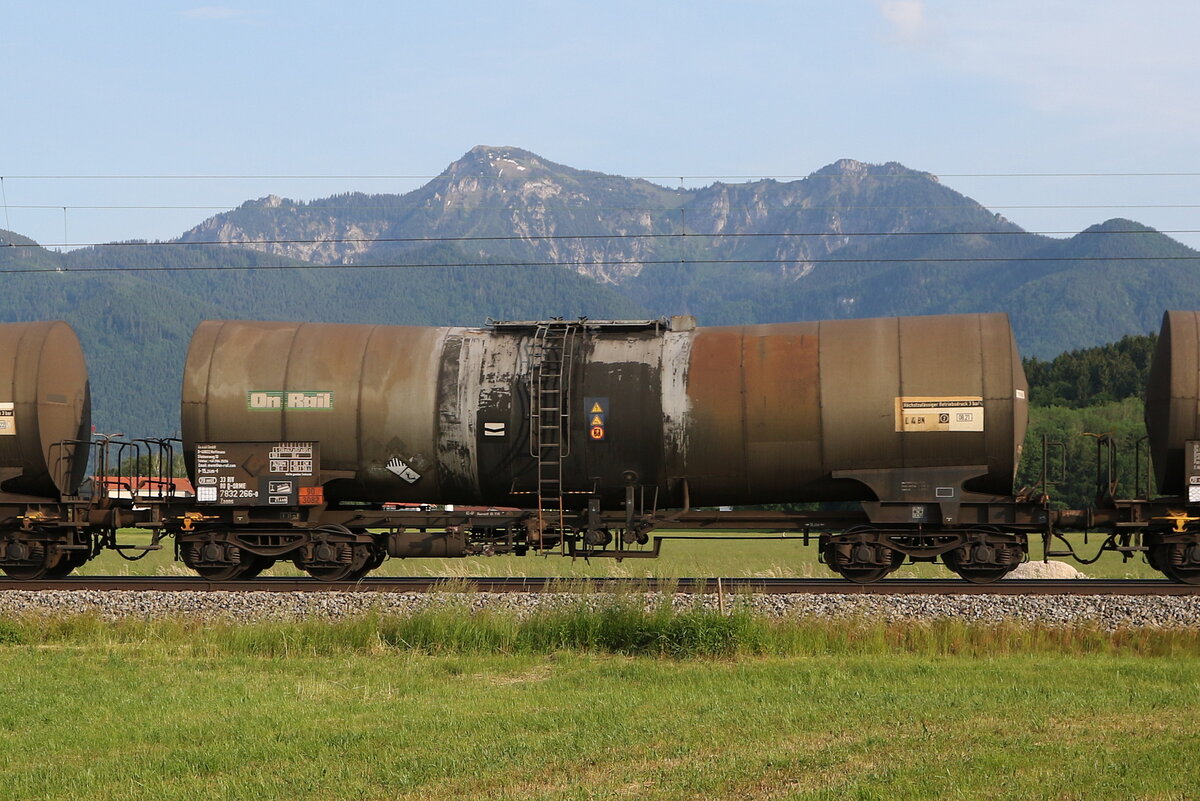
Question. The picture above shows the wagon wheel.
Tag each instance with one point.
(862, 571)
(357, 567)
(1182, 575)
(28, 572)
(222, 573)
(983, 575)
(255, 564)
(959, 560)
(220, 556)
(50, 560)
(68, 563)
(864, 575)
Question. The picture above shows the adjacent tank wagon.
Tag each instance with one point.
(1172, 537)
(44, 383)
(45, 428)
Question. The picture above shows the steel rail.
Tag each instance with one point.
(777, 586)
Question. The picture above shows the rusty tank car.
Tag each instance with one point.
(45, 422)
(1172, 539)
(1163, 525)
(597, 427)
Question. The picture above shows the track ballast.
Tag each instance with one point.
(776, 586)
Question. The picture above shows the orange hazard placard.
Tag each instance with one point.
(312, 496)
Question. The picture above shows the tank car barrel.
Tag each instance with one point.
(736, 415)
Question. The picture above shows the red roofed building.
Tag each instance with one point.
(144, 488)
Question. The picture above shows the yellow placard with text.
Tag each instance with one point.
(939, 413)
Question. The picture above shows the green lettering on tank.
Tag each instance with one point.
(300, 400)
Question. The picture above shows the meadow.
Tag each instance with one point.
(628, 703)
(575, 703)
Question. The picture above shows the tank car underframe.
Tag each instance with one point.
(979, 554)
(989, 540)
(337, 544)
(46, 540)
(1166, 530)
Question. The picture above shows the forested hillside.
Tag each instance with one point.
(1074, 399)
(135, 321)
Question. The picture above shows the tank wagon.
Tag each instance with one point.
(52, 518)
(586, 435)
(45, 418)
(1168, 525)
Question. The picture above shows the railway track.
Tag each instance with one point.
(828, 586)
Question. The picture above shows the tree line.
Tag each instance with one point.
(1076, 399)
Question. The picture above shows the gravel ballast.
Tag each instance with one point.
(1104, 611)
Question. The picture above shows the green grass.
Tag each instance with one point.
(708, 557)
(605, 623)
(564, 707)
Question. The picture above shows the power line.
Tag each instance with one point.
(642, 263)
(392, 207)
(760, 176)
(591, 237)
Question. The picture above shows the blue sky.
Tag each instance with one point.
(378, 97)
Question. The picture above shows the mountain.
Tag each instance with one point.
(514, 205)
(850, 240)
(526, 205)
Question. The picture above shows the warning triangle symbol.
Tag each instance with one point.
(596, 409)
(597, 420)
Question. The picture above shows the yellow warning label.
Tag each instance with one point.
(944, 413)
(597, 420)
(8, 419)
(596, 409)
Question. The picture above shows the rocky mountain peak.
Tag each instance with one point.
(485, 161)
(851, 168)
(854, 170)
(607, 227)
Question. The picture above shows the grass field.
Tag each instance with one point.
(707, 557)
(469, 707)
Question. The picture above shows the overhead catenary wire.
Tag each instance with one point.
(909, 173)
(602, 263)
(584, 237)
(839, 207)
(873, 173)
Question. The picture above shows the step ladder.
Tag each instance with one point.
(551, 359)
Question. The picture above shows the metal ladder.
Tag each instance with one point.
(550, 415)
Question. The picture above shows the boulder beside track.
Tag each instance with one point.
(1046, 570)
